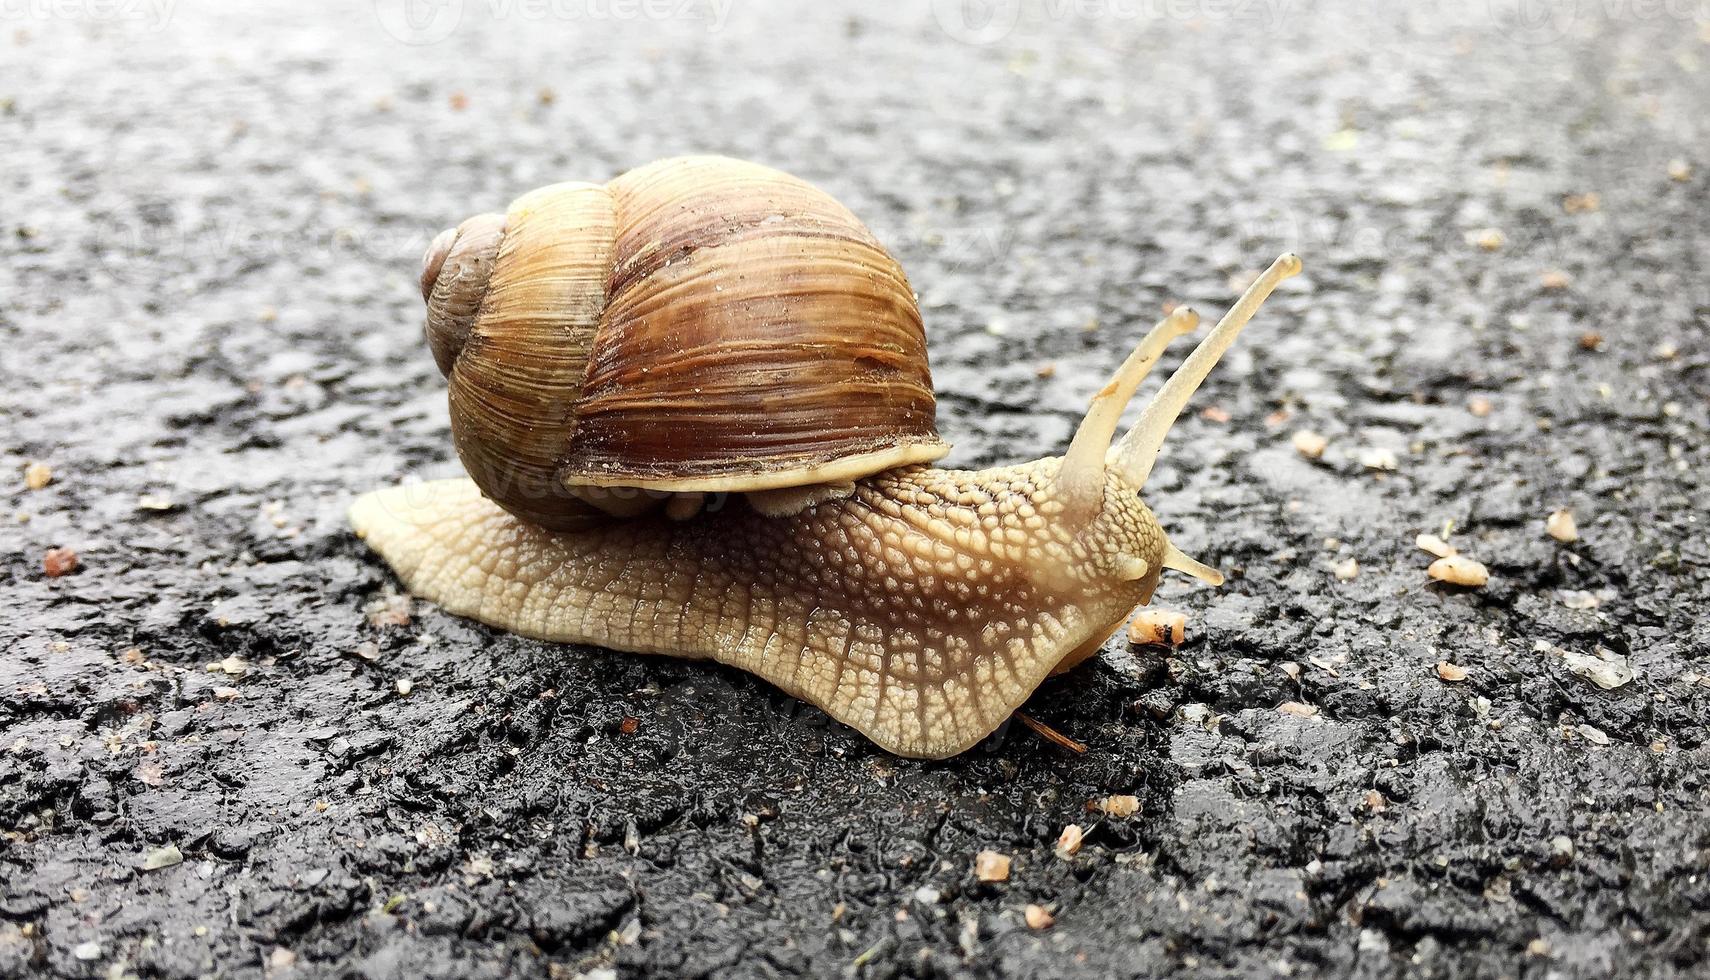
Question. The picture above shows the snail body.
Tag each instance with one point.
(920, 606)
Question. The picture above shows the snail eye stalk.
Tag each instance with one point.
(1081, 477)
(1134, 455)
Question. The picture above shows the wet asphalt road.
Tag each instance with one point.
(209, 226)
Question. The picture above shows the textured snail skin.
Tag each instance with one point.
(703, 325)
(921, 610)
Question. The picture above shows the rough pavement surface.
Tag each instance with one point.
(230, 747)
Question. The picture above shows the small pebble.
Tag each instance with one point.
(1310, 444)
(281, 958)
(1555, 279)
(1069, 841)
(1037, 917)
(405, 686)
(87, 951)
(1121, 805)
(1591, 340)
(1593, 734)
(1453, 673)
(1297, 709)
(1157, 626)
(1459, 570)
(59, 561)
(1585, 203)
(1489, 239)
(1607, 670)
(1561, 526)
(1377, 458)
(1679, 171)
(991, 866)
(1433, 545)
(1479, 405)
(388, 610)
(37, 475)
(232, 666)
(162, 857)
(1341, 141)
(1347, 571)
(1375, 801)
(1046, 371)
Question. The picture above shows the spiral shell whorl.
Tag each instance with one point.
(517, 370)
(696, 325)
(434, 259)
(456, 270)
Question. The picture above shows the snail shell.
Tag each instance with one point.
(698, 324)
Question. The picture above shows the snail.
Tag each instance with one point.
(619, 355)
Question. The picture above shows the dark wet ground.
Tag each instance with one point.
(209, 331)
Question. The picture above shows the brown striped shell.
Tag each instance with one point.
(699, 324)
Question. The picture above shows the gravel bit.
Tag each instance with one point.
(1459, 570)
(991, 866)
